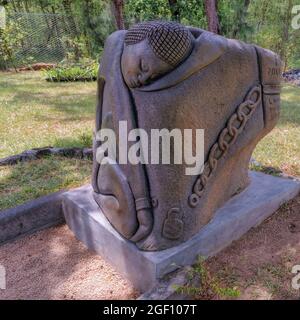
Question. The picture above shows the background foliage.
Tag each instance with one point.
(55, 30)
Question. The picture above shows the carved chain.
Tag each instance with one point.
(227, 137)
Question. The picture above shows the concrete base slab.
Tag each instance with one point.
(244, 211)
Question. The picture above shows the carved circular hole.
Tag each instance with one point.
(194, 200)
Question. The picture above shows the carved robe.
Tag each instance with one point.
(226, 87)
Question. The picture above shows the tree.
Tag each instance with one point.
(285, 36)
(211, 11)
(85, 24)
(10, 39)
(241, 14)
(118, 10)
(175, 10)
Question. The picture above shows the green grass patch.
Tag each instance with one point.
(203, 285)
(30, 180)
(35, 113)
(281, 147)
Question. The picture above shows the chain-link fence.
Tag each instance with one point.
(42, 37)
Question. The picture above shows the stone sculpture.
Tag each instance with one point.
(164, 75)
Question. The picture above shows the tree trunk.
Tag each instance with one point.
(118, 10)
(175, 10)
(211, 10)
(283, 51)
(241, 18)
(67, 5)
(90, 27)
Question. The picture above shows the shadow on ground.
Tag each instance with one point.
(52, 264)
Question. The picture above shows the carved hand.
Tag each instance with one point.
(145, 220)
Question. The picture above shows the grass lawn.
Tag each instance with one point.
(281, 147)
(36, 113)
(34, 179)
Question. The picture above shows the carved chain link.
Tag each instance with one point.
(227, 137)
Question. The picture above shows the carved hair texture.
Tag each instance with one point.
(170, 41)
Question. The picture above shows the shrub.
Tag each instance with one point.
(10, 40)
(74, 72)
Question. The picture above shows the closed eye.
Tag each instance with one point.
(155, 75)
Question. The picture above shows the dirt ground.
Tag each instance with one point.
(260, 264)
(53, 264)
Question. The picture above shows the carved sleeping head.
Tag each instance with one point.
(153, 49)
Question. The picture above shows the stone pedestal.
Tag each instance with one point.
(246, 210)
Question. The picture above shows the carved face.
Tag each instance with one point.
(140, 65)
